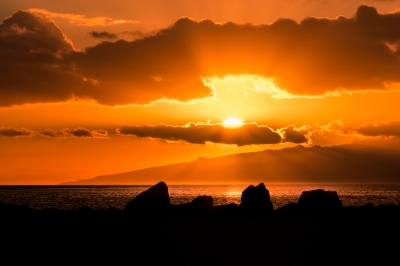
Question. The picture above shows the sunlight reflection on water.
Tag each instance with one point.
(103, 197)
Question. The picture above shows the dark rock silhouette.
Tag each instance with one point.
(203, 203)
(256, 201)
(155, 199)
(290, 210)
(319, 200)
(199, 206)
(196, 233)
(230, 210)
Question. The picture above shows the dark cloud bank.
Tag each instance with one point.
(251, 133)
(39, 64)
(199, 133)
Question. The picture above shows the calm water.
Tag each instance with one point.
(103, 197)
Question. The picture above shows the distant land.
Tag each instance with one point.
(360, 162)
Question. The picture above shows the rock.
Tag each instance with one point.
(202, 203)
(198, 206)
(230, 210)
(256, 201)
(319, 200)
(290, 210)
(152, 201)
(366, 209)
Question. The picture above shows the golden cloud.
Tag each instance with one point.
(315, 57)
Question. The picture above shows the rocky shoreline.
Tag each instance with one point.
(315, 230)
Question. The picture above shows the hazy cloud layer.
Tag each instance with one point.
(337, 132)
(382, 129)
(76, 132)
(13, 132)
(39, 64)
(200, 133)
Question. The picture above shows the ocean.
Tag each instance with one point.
(103, 197)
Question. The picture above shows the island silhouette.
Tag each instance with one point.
(355, 163)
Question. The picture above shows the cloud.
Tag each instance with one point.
(315, 57)
(25, 31)
(73, 133)
(201, 133)
(63, 133)
(333, 133)
(82, 20)
(13, 132)
(103, 35)
(124, 35)
(138, 34)
(380, 129)
(252, 134)
(32, 64)
(295, 135)
(337, 133)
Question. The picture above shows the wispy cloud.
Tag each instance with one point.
(73, 133)
(79, 132)
(103, 35)
(82, 20)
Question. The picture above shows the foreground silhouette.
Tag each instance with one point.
(315, 230)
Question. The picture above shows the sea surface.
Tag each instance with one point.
(104, 197)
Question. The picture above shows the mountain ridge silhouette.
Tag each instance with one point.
(347, 163)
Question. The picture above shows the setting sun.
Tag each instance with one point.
(233, 122)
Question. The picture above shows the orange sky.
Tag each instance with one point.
(89, 88)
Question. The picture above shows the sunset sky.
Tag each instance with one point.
(97, 87)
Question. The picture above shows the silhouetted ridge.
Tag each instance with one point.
(363, 163)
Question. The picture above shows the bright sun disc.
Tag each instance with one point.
(233, 122)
